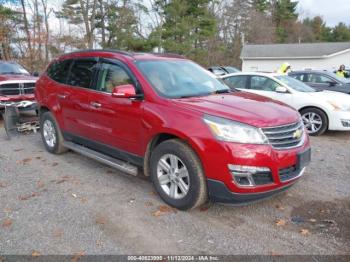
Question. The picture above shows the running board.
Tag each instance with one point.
(110, 161)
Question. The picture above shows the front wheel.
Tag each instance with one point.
(177, 175)
(315, 121)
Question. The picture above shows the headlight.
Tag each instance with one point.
(339, 106)
(231, 131)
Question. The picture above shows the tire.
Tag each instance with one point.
(179, 157)
(50, 129)
(311, 117)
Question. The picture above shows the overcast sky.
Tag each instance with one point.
(333, 11)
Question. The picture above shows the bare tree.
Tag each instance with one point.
(89, 19)
(84, 12)
(26, 29)
(46, 14)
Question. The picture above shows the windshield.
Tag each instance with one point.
(180, 78)
(231, 69)
(295, 84)
(12, 69)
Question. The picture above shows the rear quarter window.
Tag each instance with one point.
(58, 71)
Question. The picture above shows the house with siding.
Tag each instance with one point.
(321, 56)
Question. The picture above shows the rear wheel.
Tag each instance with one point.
(315, 121)
(51, 134)
(177, 175)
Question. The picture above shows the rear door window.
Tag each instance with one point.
(82, 73)
(319, 79)
(59, 70)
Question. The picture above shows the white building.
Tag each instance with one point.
(322, 56)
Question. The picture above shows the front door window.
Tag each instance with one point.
(110, 76)
(263, 83)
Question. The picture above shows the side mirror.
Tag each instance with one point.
(331, 83)
(36, 74)
(281, 89)
(125, 91)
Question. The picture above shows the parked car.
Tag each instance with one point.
(323, 80)
(16, 84)
(347, 69)
(320, 110)
(223, 70)
(170, 117)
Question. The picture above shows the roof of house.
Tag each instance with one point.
(294, 51)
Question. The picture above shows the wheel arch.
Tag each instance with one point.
(43, 109)
(316, 107)
(159, 138)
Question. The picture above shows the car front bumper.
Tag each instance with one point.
(21, 105)
(339, 121)
(218, 192)
(276, 170)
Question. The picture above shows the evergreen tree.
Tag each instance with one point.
(188, 24)
(118, 25)
(9, 20)
(82, 12)
(285, 15)
(260, 5)
(341, 33)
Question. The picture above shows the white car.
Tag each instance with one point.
(320, 110)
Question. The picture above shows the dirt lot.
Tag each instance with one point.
(70, 204)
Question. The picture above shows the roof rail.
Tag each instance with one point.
(173, 55)
(127, 53)
(101, 50)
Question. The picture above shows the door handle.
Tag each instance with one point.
(95, 104)
(62, 96)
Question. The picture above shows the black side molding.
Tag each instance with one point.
(105, 149)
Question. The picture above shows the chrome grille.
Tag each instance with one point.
(9, 89)
(28, 88)
(285, 137)
(17, 88)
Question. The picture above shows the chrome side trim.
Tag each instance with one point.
(110, 161)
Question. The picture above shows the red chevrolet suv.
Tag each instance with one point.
(16, 84)
(174, 120)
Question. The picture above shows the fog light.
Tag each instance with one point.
(345, 123)
(244, 175)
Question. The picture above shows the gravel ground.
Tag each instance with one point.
(69, 204)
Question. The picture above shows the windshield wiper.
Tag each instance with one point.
(10, 73)
(222, 91)
(195, 95)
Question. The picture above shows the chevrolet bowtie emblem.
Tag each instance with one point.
(297, 134)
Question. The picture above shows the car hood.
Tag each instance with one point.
(243, 107)
(331, 96)
(17, 77)
(345, 86)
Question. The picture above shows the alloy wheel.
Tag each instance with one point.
(173, 176)
(313, 122)
(49, 133)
